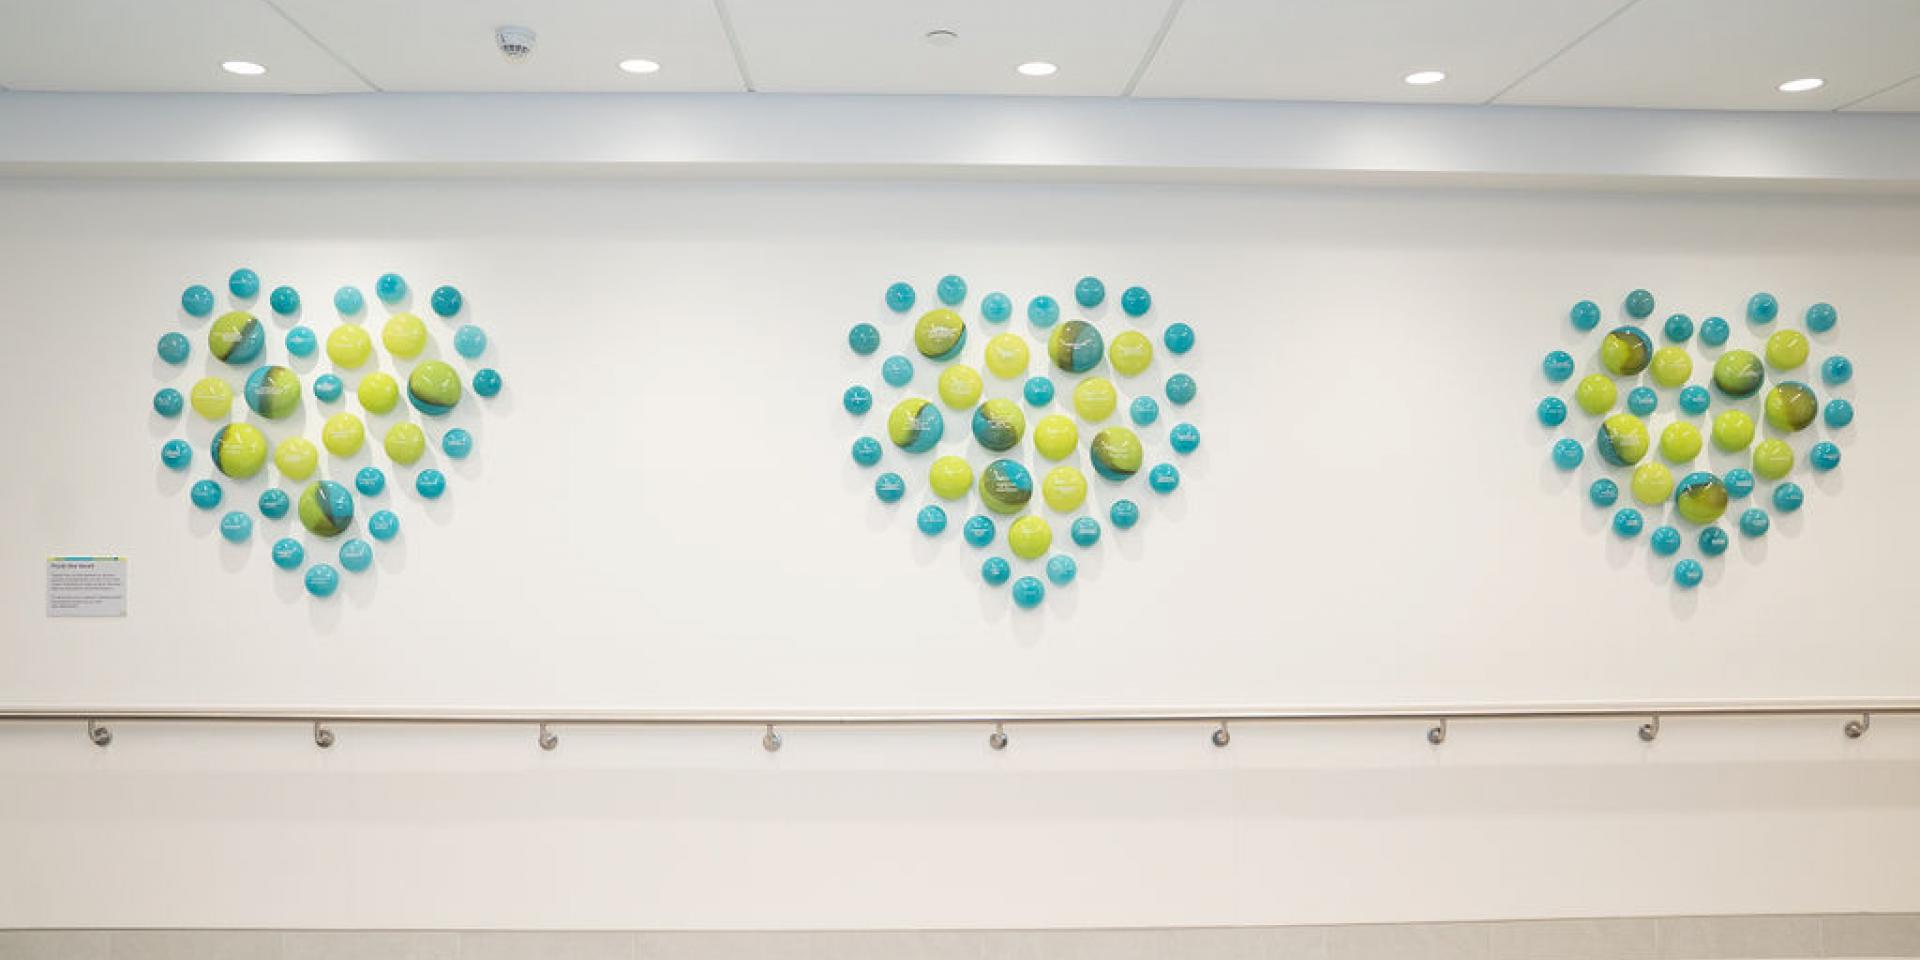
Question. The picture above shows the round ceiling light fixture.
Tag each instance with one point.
(243, 68)
(1802, 85)
(942, 38)
(638, 65)
(1422, 78)
(1037, 68)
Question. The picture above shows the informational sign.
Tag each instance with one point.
(86, 586)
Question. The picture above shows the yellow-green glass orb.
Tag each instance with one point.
(950, 477)
(1680, 442)
(960, 387)
(212, 398)
(1596, 394)
(1791, 406)
(349, 346)
(1029, 537)
(1622, 440)
(296, 457)
(1652, 483)
(1055, 436)
(405, 443)
(1064, 489)
(1130, 353)
(1772, 459)
(1671, 366)
(378, 393)
(1007, 356)
(1094, 399)
(343, 434)
(1786, 349)
(238, 450)
(404, 335)
(1732, 431)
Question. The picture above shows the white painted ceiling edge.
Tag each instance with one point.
(777, 137)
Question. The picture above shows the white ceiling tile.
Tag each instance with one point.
(149, 46)
(1362, 49)
(448, 45)
(880, 46)
(1733, 55)
(1903, 98)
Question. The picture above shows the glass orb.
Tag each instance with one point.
(1178, 338)
(978, 530)
(897, 371)
(1164, 478)
(285, 301)
(1043, 311)
(951, 290)
(1687, 573)
(1603, 492)
(1144, 411)
(1713, 541)
(1136, 301)
(369, 481)
(1184, 438)
(1821, 317)
(1739, 482)
(469, 341)
(1665, 541)
(205, 494)
(889, 487)
(1181, 389)
(1639, 304)
(176, 454)
(995, 571)
(1678, 328)
(857, 400)
(348, 301)
(486, 382)
(1038, 391)
(1839, 412)
(1089, 292)
(1028, 592)
(900, 297)
(457, 443)
(1762, 308)
(322, 580)
(1694, 399)
(1124, 514)
(168, 402)
(430, 483)
(1585, 315)
(356, 555)
(1627, 522)
(174, 348)
(1824, 455)
(1552, 411)
(383, 525)
(1567, 453)
(932, 520)
(1558, 366)
(1754, 522)
(447, 301)
(996, 307)
(274, 503)
(243, 284)
(1061, 569)
(197, 300)
(1086, 531)
(288, 553)
(1788, 497)
(301, 342)
(864, 338)
(1714, 331)
(327, 388)
(1836, 369)
(390, 288)
(1642, 401)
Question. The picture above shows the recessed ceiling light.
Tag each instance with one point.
(1424, 77)
(1802, 85)
(941, 38)
(1037, 68)
(639, 66)
(244, 68)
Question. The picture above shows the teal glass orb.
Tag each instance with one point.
(1714, 331)
(1754, 522)
(1762, 308)
(322, 580)
(176, 454)
(205, 494)
(1639, 304)
(1038, 391)
(1178, 338)
(897, 371)
(1061, 569)
(1085, 531)
(866, 451)
(1713, 541)
(900, 297)
(1839, 412)
(889, 487)
(486, 382)
(390, 288)
(1604, 492)
(356, 555)
(274, 503)
(1585, 315)
(430, 483)
(447, 301)
(1694, 399)
(1136, 301)
(931, 520)
(1089, 292)
(1687, 573)
(383, 525)
(469, 341)
(1567, 453)
(1558, 365)
(1836, 369)
(327, 388)
(978, 530)
(285, 301)
(236, 527)
(864, 339)
(995, 571)
(168, 402)
(1627, 522)
(1788, 497)
(1821, 317)
(244, 284)
(196, 300)
(1739, 482)
(1665, 541)
(1144, 411)
(1028, 592)
(1184, 438)
(1552, 411)
(369, 481)
(996, 307)
(1181, 389)
(174, 348)
(951, 290)
(1824, 455)
(1164, 478)
(857, 400)
(301, 342)
(1043, 311)
(288, 554)
(1124, 514)
(1642, 400)
(348, 301)
(1678, 328)
(457, 443)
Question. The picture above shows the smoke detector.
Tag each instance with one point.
(515, 43)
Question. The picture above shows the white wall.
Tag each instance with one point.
(662, 514)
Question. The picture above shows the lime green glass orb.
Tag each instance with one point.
(1701, 498)
(1064, 489)
(238, 450)
(1622, 440)
(1738, 373)
(1007, 356)
(296, 457)
(939, 334)
(404, 335)
(236, 338)
(1029, 537)
(378, 393)
(1596, 394)
(1006, 487)
(1056, 436)
(915, 425)
(343, 434)
(1094, 399)
(211, 398)
(1131, 353)
(348, 346)
(950, 477)
(1076, 346)
(1732, 431)
(1773, 459)
(1680, 442)
(326, 508)
(1791, 406)
(1626, 351)
(433, 387)
(405, 443)
(1116, 453)
(1671, 366)
(960, 387)
(998, 425)
(272, 392)
(1652, 483)
(1786, 349)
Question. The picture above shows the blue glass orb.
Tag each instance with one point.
(370, 481)
(1144, 411)
(327, 387)
(1639, 304)
(301, 342)
(285, 301)
(1788, 497)
(866, 451)
(1824, 455)
(1694, 399)
(1180, 389)
(168, 402)
(1665, 541)
(383, 525)
(174, 348)
(1603, 493)
(1089, 292)
(390, 288)
(1061, 569)
(1164, 478)
(1739, 482)
(469, 341)
(236, 526)
(1086, 531)
(1678, 328)
(864, 338)
(1687, 574)
(932, 520)
(995, 571)
(978, 530)
(1762, 308)
(1042, 311)
(1642, 400)
(457, 443)
(1821, 317)
(288, 554)
(243, 283)
(322, 580)
(889, 487)
(430, 483)
(1124, 514)
(176, 454)
(1558, 365)
(1028, 592)
(486, 381)
(348, 301)
(1038, 391)
(447, 300)
(205, 494)
(996, 307)
(1754, 522)
(900, 297)
(1552, 411)
(1184, 438)
(1567, 453)
(1713, 541)
(274, 503)
(1178, 338)
(1836, 369)
(1714, 331)
(897, 371)
(1839, 412)
(196, 300)
(858, 400)
(1585, 315)
(1136, 301)
(951, 290)
(1627, 522)
(356, 555)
